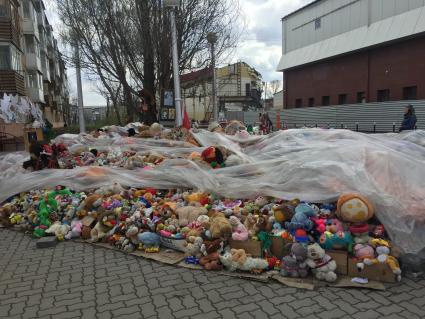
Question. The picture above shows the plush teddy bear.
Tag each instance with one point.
(211, 262)
(90, 202)
(5, 212)
(233, 261)
(362, 252)
(188, 214)
(322, 265)
(220, 226)
(354, 208)
(75, 231)
(106, 221)
(382, 248)
(282, 213)
(59, 230)
(115, 188)
(301, 219)
(294, 264)
(239, 232)
(193, 246)
(251, 225)
(196, 197)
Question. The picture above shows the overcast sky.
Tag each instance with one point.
(260, 44)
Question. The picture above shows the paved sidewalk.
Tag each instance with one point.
(76, 280)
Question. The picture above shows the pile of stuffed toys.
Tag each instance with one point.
(203, 226)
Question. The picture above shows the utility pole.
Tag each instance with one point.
(212, 39)
(173, 4)
(79, 89)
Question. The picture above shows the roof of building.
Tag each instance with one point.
(196, 75)
(300, 9)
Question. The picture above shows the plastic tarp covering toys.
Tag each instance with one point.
(311, 164)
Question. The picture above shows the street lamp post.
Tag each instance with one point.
(212, 39)
(74, 39)
(173, 4)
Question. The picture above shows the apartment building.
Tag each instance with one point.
(31, 64)
(238, 89)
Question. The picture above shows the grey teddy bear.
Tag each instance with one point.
(294, 264)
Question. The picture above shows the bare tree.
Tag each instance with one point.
(128, 41)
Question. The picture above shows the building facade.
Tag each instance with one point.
(353, 51)
(30, 62)
(238, 89)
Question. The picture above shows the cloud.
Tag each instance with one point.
(260, 44)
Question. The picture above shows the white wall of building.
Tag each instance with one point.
(337, 17)
(346, 26)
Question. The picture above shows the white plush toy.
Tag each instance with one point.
(322, 265)
(236, 259)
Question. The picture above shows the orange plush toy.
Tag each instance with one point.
(354, 208)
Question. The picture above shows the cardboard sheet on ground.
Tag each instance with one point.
(310, 164)
(165, 256)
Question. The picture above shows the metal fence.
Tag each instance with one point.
(368, 117)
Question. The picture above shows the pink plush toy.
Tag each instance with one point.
(75, 232)
(239, 231)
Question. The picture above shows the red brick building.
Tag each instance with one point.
(358, 52)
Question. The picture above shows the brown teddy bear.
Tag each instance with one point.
(251, 225)
(106, 221)
(5, 213)
(188, 214)
(220, 226)
(211, 262)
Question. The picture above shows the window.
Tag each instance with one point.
(4, 58)
(383, 95)
(342, 99)
(14, 16)
(299, 103)
(15, 59)
(232, 69)
(29, 44)
(27, 10)
(326, 100)
(410, 92)
(3, 8)
(248, 89)
(311, 102)
(32, 79)
(317, 23)
(361, 97)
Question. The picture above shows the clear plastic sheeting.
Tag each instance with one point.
(310, 164)
(11, 164)
(416, 137)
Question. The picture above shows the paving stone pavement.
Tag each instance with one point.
(76, 280)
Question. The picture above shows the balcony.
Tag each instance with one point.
(36, 95)
(33, 62)
(12, 82)
(30, 27)
(41, 19)
(8, 32)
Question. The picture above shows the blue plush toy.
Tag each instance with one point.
(301, 219)
(339, 240)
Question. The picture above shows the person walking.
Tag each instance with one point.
(409, 120)
(147, 111)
